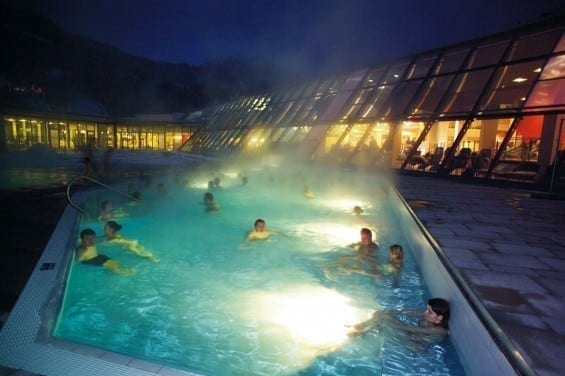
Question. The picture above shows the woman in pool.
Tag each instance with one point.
(432, 327)
(86, 253)
(111, 229)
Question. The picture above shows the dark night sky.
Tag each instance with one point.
(307, 36)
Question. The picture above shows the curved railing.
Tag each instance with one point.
(84, 177)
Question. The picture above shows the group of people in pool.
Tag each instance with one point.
(434, 320)
(87, 253)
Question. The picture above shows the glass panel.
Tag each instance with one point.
(301, 133)
(466, 91)
(374, 77)
(561, 45)
(373, 107)
(353, 138)
(422, 66)
(488, 54)
(395, 73)
(333, 135)
(534, 45)
(409, 132)
(400, 102)
(435, 89)
(554, 68)
(513, 83)
(547, 93)
(288, 134)
(524, 143)
(357, 103)
(451, 61)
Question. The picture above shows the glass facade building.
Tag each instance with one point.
(493, 107)
(23, 129)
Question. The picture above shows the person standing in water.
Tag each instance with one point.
(86, 253)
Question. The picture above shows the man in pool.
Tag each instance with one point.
(362, 262)
(432, 327)
(259, 232)
(111, 229)
(86, 253)
(366, 248)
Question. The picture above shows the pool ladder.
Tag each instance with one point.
(84, 177)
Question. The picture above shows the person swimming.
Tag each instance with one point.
(357, 210)
(86, 253)
(259, 231)
(209, 203)
(111, 229)
(432, 327)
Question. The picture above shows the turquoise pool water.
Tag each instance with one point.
(217, 304)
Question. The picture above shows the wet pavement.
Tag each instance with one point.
(508, 246)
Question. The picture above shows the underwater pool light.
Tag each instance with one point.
(313, 315)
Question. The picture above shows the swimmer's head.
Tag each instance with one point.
(438, 312)
(357, 210)
(396, 255)
(88, 237)
(208, 197)
(136, 195)
(259, 225)
(211, 184)
(366, 236)
(216, 182)
(111, 227)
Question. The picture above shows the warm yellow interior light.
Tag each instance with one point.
(519, 79)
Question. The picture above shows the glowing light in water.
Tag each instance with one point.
(312, 315)
(332, 233)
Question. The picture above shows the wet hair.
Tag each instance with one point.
(87, 232)
(211, 184)
(208, 196)
(114, 225)
(259, 220)
(365, 230)
(104, 204)
(397, 250)
(440, 307)
(217, 182)
(357, 209)
(136, 195)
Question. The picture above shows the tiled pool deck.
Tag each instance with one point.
(509, 247)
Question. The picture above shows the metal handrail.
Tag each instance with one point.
(96, 182)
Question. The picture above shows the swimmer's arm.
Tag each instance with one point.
(418, 329)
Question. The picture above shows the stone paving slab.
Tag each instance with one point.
(511, 250)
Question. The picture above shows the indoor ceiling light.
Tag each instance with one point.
(519, 79)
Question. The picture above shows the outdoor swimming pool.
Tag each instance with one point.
(217, 304)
